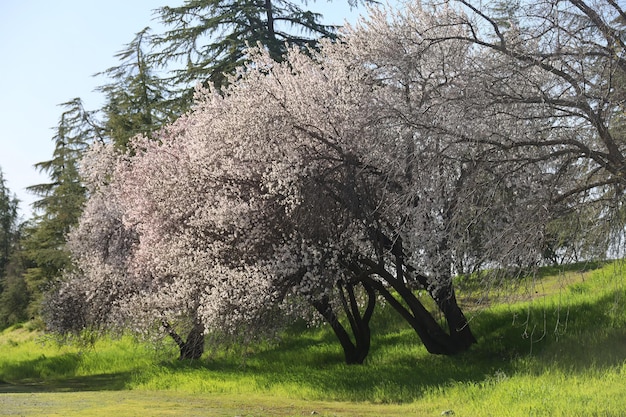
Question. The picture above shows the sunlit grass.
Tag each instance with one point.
(561, 351)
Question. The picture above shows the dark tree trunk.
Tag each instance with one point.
(434, 337)
(354, 352)
(349, 349)
(193, 347)
(458, 326)
(358, 323)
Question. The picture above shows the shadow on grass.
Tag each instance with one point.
(589, 334)
(103, 382)
(56, 374)
(585, 334)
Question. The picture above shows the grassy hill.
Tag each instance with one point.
(554, 345)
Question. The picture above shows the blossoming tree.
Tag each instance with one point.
(375, 166)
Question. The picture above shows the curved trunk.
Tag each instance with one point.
(434, 338)
(349, 348)
(432, 335)
(458, 326)
(354, 352)
(193, 347)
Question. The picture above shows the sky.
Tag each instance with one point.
(49, 53)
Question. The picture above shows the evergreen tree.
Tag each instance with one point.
(8, 222)
(136, 99)
(210, 36)
(61, 199)
(13, 293)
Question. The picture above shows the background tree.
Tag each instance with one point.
(562, 62)
(8, 222)
(14, 296)
(210, 36)
(137, 101)
(61, 200)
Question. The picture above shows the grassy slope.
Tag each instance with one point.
(562, 352)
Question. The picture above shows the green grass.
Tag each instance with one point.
(558, 350)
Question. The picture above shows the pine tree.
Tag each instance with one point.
(13, 293)
(61, 200)
(8, 222)
(210, 36)
(137, 101)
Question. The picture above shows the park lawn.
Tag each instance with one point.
(554, 346)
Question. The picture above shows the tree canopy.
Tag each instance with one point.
(137, 101)
(210, 36)
(436, 140)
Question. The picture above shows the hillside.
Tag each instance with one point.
(553, 345)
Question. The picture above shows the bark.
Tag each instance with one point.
(458, 326)
(193, 347)
(355, 351)
(433, 336)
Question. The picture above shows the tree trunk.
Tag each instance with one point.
(458, 327)
(432, 335)
(434, 338)
(354, 352)
(359, 324)
(193, 347)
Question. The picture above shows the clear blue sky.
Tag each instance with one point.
(49, 52)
